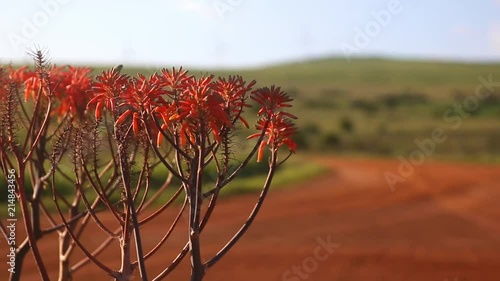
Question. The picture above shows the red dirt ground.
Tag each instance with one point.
(442, 223)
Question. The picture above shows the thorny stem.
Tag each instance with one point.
(32, 219)
(241, 166)
(130, 216)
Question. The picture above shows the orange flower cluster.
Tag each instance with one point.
(280, 127)
(68, 85)
(173, 103)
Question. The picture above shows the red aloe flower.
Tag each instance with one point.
(176, 80)
(108, 88)
(201, 107)
(72, 91)
(35, 81)
(31, 87)
(159, 135)
(280, 126)
(142, 96)
(4, 81)
(168, 113)
(136, 120)
(27, 77)
(272, 100)
(20, 75)
(234, 92)
(280, 130)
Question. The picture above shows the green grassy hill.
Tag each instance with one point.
(380, 106)
(363, 77)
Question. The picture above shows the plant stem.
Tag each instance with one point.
(197, 268)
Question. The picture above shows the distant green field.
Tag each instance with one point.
(379, 106)
(363, 77)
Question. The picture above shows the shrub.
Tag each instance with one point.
(346, 125)
(366, 106)
(394, 100)
(116, 131)
(331, 140)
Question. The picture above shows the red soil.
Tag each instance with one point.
(442, 223)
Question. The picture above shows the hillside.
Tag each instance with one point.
(380, 106)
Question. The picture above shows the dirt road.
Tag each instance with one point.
(442, 223)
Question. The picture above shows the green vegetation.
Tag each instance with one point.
(380, 107)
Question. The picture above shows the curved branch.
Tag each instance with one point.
(163, 160)
(40, 132)
(157, 194)
(100, 195)
(164, 207)
(77, 241)
(253, 214)
(242, 165)
(169, 232)
(174, 264)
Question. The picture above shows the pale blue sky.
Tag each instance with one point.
(248, 32)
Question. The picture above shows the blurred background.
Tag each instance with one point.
(239, 33)
(399, 121)
(373, 75)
